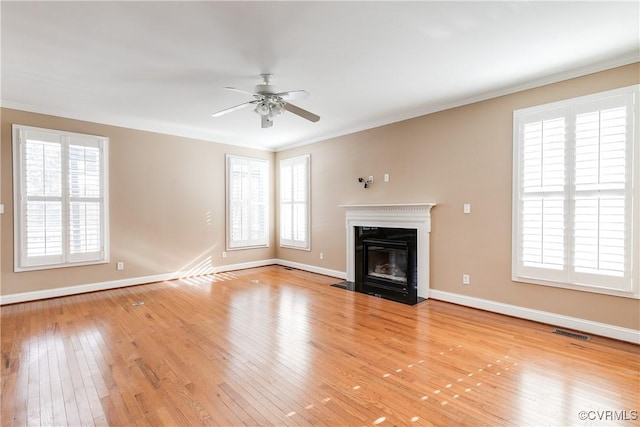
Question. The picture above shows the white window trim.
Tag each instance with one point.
(290, 243)
(634, 208)
(18, 198)
(247, 244)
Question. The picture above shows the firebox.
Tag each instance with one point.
(386, 263)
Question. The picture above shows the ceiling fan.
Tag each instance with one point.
(269, 102)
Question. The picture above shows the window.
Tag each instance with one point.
(247, 202)
(60, 198)
(294, 202)
(575, 194)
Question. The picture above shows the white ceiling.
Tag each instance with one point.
(162, 66)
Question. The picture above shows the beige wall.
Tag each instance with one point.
(462, 155)
(167, 205)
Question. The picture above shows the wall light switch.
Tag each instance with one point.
(321, 255)
(120, 266)
(370, 180)
(386, 177)
(224, 254)
(466, 208)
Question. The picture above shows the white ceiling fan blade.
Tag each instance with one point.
(293, 94)
(234, 89)
(266, 123)
(229, 110)
(301, 112)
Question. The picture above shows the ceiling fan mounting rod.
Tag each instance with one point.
(266, 78)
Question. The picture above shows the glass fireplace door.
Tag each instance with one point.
(386, 260)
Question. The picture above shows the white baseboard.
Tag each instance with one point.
(90, 287)
(245, 265)
(113, 284)
(596, 328)
(312, 268)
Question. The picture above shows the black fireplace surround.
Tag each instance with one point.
(386, 263)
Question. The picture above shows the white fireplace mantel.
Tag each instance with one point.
(401, 215)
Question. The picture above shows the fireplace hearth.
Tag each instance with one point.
(386, 265)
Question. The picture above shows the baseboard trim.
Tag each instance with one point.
(596, 328)
(132, 281)
(245, 265)
(312, 268)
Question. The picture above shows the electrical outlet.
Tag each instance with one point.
(386, 177)
(370, 180)
(120, 265)
(224, 254)
(466, 208)
(321, 255)
(466, 279)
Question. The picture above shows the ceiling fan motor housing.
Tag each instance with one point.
(266, 89)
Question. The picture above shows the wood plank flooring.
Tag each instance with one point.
(271, 346)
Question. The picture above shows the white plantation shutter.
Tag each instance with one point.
(247, 202)
(543, 195)
(294, 202)
(85, 199)
(601, 225)
(60, 198)
(573, 224)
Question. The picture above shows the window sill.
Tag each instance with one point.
(17, 269)
(633, 294)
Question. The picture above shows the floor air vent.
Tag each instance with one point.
(571, 334)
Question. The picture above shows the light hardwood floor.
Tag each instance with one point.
(271, 346)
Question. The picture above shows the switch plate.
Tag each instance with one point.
(370, 180)
(386, 177)
(466, 208)
(466, 279)
(224, 254)
(120, 265)
(1, 209)
(321, 255)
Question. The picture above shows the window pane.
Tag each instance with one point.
(248, 195)
(294, 202)
(599, 245)
(600, 150)
(43, 228)
(300, 222)
(84, 171)
(84, 227)
(543, 233)
(543, 167)
(238, 213)
(286, 223)
(43, 168)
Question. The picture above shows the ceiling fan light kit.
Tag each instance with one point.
(269, 102)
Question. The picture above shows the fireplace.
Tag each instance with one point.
(386, 263)
(391, 231)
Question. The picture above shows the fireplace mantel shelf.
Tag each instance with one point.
(389, 206)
